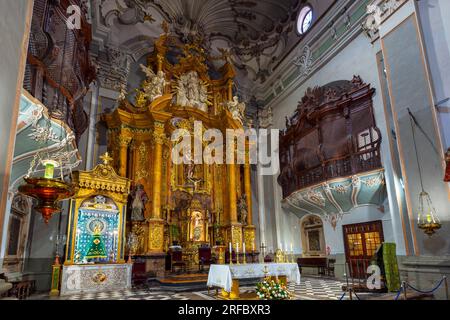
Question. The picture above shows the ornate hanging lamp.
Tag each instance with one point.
(427, 219)
(40, 181)
(48, 190)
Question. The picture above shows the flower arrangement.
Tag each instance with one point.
(271, 289)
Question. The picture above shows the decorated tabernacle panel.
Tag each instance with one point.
(96, 232)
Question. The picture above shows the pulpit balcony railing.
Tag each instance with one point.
(365, 159)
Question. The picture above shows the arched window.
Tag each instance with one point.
(304, 19)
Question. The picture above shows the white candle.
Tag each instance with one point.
(243, 248)
(230, 249)
(253, 247)
(237, 248)
(292, 248)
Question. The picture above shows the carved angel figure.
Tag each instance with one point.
(140, 198)
(237, 109)
(155, 83)
(191, 92)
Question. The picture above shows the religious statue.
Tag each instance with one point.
(140, 198)
(265, 117)
(197, 226)
(154, 85)
(189, 165)
(243, 209)
(237, 109)
(192, 92)
(97, 247)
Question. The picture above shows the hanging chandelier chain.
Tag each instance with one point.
(412, 121)
(60, 74)
(439, 154)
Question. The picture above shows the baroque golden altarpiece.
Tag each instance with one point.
(192, 204)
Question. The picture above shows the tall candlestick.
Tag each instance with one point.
(243, 251)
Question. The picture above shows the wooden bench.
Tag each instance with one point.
(321, 263)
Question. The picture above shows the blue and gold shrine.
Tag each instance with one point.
(96, 232)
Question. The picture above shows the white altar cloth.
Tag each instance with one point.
(222, 275)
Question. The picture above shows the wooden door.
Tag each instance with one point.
(361, 242)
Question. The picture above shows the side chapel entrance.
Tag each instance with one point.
(361, 242)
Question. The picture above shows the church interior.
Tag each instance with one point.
(224, 149)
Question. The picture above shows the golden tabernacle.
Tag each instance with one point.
(190, 204)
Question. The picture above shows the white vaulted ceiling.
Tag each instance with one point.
(258, 33)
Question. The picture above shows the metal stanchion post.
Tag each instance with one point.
(351, 294)
(446, 287)
(404, 290)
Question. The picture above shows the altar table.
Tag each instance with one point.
(227, 276)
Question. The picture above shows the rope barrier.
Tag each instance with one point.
(425, 292)
(403, 288)
(398, 293)
(356, 295)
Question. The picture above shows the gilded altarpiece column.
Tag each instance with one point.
(188, 196)
(235, 228)
(156, 224)
(249, 229)
(123, 141)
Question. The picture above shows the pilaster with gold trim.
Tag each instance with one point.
(123, 140)
(156, 236)
(156, 224)
(249, 229)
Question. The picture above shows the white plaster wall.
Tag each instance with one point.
(12, 25)
(435, 23)
(357, 58)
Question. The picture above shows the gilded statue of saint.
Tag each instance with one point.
(140, 198)
(243, 209)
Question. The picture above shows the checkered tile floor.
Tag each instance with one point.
(130, 295)
(319, 289)
(309, 289)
